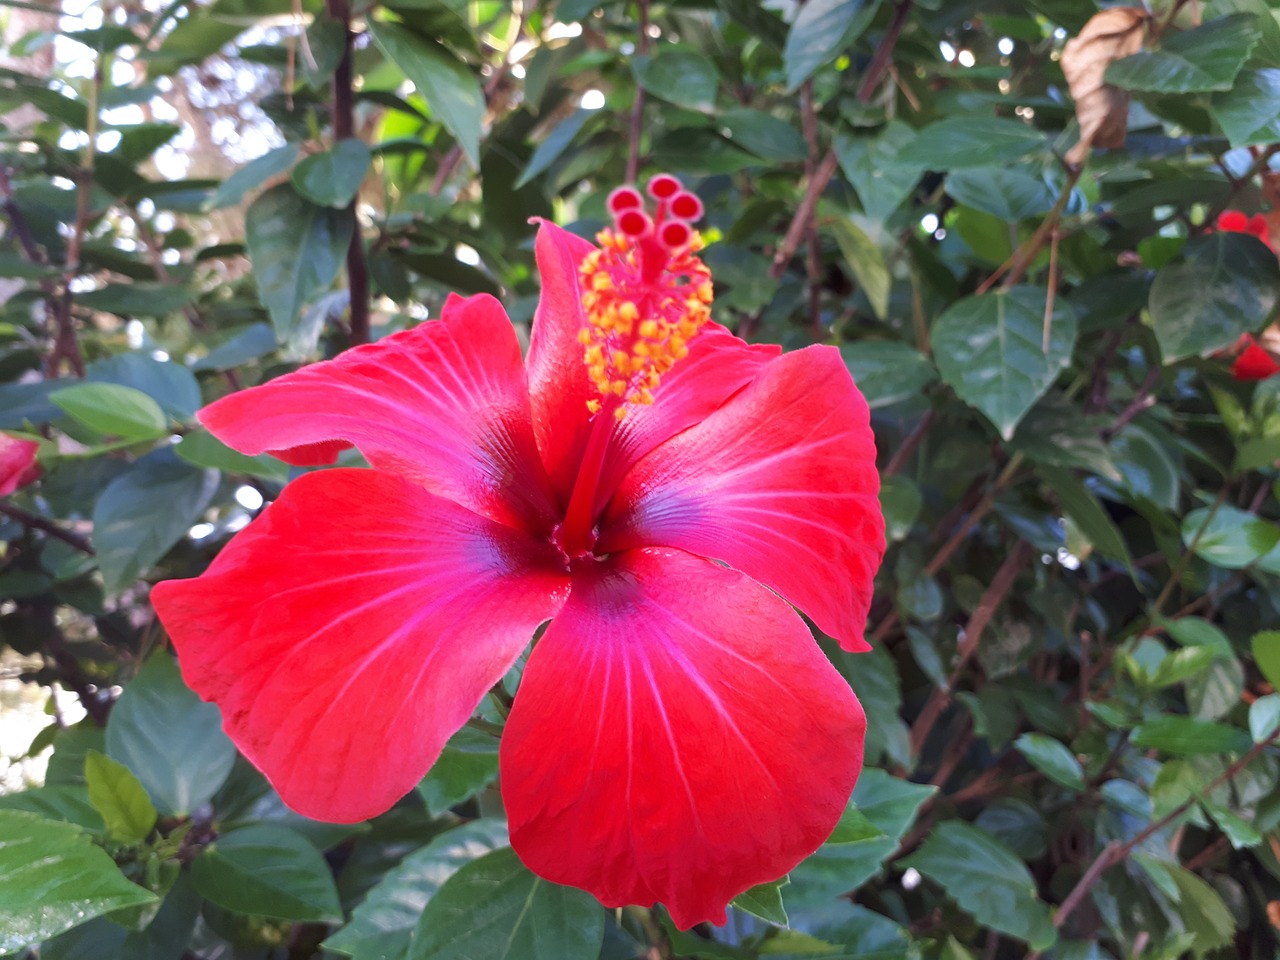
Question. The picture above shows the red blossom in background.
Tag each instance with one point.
(18, 465)
(655, 487)
(1252, 361)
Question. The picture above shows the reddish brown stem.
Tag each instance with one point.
(344, 127)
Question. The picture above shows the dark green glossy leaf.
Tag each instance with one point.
(989, 349)
(1249, 113)
(1205, 58)
(1185, 736)
(450, 88)
(986, 880)
(764, 901)
(332, 177)
(170, 739)
(887, 371)
(143, 513)
(1052, 758)
(267, 871)
(296, 248)
(1226, 286)
(876, 169)
(683, 77)
(496, 909)
(254, 174)
(822, 30)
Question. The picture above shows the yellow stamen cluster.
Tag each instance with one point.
(638, 329)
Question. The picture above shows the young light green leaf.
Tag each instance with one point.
(121, 799)
(1266, 654)
(113, 410)
(52, 878)
(1228, 537)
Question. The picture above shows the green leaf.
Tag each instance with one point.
(875, 168)
(682, 77)
(52, 878)
(202, 449)
(332, 177)
(1228, 537)
(253, 174)
(987, 880)
(1186, 736)
(121, 799)
(138, 299)
(960, 142)
(1249, 113)
(450, 88)
(253, 342)
(763, 134)
(1052, 758)
(1226, 286)
(1202, 912)
(821, 31)
(296, 249)
(901, 503)
(57, 802)
(113, 410)
(887, 371)
(555, 143)
(468, 763)
(765, 901)
(885, 802)
(382, 927)
(171, 740)
(267, 871)
(169, 384)
(1264, 717)
(1266, 654)
(1205, 58)
(1008, 193)
(989, 349)
(866, 262)
(144, 512)
(496, 909)
(1079, 503)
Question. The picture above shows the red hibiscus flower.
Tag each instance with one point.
(18, 465)
(657, 489)
(1252, 361)
(1233, 221)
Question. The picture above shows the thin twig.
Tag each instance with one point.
(881, 60)
(1015, 268)
(1115, 851)
(34, 522)
(636, 126)
(991, 600)
(912, 440)
(344, 128)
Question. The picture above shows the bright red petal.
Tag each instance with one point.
(1254, 363)
(717, 367)
(677, 737)
(445, 403)
(1233, 221)
(558, 382)
(351, 629)
(17, 463)
(779, 483)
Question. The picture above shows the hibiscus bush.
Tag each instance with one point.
(439, 520)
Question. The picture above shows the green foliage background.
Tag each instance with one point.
(1072, 696)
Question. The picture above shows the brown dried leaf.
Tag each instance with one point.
(1101, 109)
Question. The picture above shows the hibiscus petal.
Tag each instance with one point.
(17, 463)
(558, 384)
(352, 628)
(718, 366)
(677, 737)
(779, 483)
(445, 403)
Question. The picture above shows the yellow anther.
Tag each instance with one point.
(594, 406)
